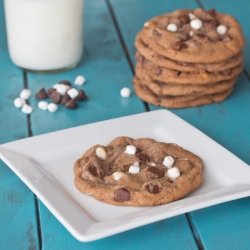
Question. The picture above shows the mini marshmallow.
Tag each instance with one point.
(152, 164)
(101, 153)
(221, 29)
(80, 80)
(172, 27)
(125, 92)
(173, 172)
(52, 107)
(19, 102)
(130, 149)
(168, 161)
(191, 16)
(117, 175)
(73, 93)
(196, 24)
(136, 163)
(25, 94)
(146, 24)
(134, 169)
(62, 89)
(191, 33)
(26, 109)
(43, 105)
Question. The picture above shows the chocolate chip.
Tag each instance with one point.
(55, 97)
(152, 188)
(179, 45)
(156, 33)
(200, 36)
(153, 173)
(226, 38)
(226, 72)
(211, 12)
(122, 194)
(66, 98)
(72, 104)
(214, 22)
(50, 91)
(179, 73)
(93, 170)
(64, 82)
(81, 96)
(41, 94)
(183, 37)
(140, 58)
(145, 88)
(125, 168)
(158, 71)
(143, 158)
(184, 63)
(184, 18)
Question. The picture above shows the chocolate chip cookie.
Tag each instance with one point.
(138, 172)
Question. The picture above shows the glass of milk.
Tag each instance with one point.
(44, 35)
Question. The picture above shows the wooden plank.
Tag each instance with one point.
(227, 123)
(18, 227)
(105, 67)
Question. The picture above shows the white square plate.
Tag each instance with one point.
(45, 164)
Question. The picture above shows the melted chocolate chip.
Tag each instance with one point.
(184, 18)
(41, 94)
(122, 194)
(200, 36)
(66, 98)
(72, 104)
(55, 97)
(140, 58)
(211, 12)
(82, 96)
(153, 173)
(158, 71)
(145, 88)
(156, 33)
(143, 158)
(179, 73)
(214, 22)
(226, 38)
(64, 82)
(160, 56)
(179, 46)
(152, 188)
(93, 170)
(226, 72)
(184, 63)
(125, 168)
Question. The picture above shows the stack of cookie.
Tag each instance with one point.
(188, 58)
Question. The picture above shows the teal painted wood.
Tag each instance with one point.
(18, 228)
(223, 226)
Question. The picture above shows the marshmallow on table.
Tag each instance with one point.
(80, 80)
(27, 109)
(25, 94)
(19, 102)
(172, 27)
(52, 107)
(168, 161)
(62, 89)
(125, 92)
(196, 24)
(173, 172)
(73, 93)
(43, 105)
(130, 149)
(101, 153)
(221, 29)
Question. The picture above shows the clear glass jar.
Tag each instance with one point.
(44, 35)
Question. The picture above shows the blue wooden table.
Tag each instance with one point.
(107, 64)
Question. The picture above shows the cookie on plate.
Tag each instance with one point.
(137, 172)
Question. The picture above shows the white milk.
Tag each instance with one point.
(44, 35)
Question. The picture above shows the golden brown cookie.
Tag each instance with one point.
(161, 88)
(178, 101)
(194, 36)
(138, 172)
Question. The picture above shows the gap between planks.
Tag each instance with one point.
(30, 134)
